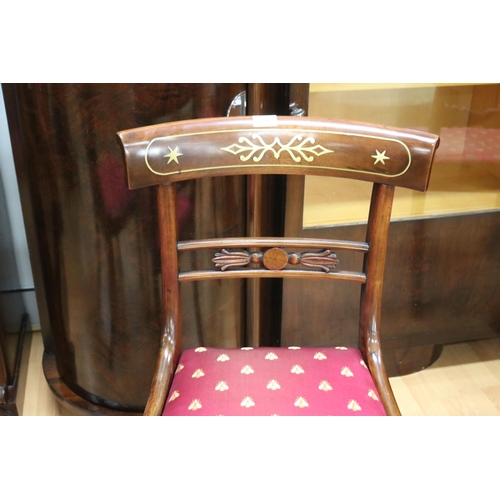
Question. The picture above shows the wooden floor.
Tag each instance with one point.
(464, 381)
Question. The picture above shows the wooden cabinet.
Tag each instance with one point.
(448, 239)
(93, 243)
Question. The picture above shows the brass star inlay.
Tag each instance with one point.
(173, 155)
(380, 157)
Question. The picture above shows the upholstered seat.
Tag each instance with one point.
(270, 380)
(279, 381)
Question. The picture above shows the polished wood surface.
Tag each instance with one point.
(238, 146)
(95, 276)
(201, 148)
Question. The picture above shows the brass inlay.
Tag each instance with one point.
(297, 152)
(173, 155)
(304, 131)
(380, 157)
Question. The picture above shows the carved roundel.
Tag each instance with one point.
(275, 259)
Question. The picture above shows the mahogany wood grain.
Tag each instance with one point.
(90, 238)
(359, 246)
(169, 348)
(190, 149)
(371, 292)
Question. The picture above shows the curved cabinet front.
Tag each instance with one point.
(94, 243)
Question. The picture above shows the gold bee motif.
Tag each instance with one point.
(325, 386)
(301, 402)
(200, 349)
(362, 363)
(293, 347)
(271, 356)
(346, 372)
(297, 369)
(273, 385)
(195, 405)
(246, 348)
(223, 357)
(174, 395)
(341, 348)
(179, 368)
(372, 394)
(247, 370)
(320, 356)
(353, 405)
(198, 373)
(247, 402)
(221, 386)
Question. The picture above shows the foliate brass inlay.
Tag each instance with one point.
(298, 152)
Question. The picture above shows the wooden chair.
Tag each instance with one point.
(290, 380)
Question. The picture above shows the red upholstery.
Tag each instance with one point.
(267, 381)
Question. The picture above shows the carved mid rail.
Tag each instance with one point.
(273, 260)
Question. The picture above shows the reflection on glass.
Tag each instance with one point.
(466, 174)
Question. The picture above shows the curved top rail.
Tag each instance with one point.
(177, 151)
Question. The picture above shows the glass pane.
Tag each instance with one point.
(466, 173)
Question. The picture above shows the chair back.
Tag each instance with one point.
(162, 155)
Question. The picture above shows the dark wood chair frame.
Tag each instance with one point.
(165, 154)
